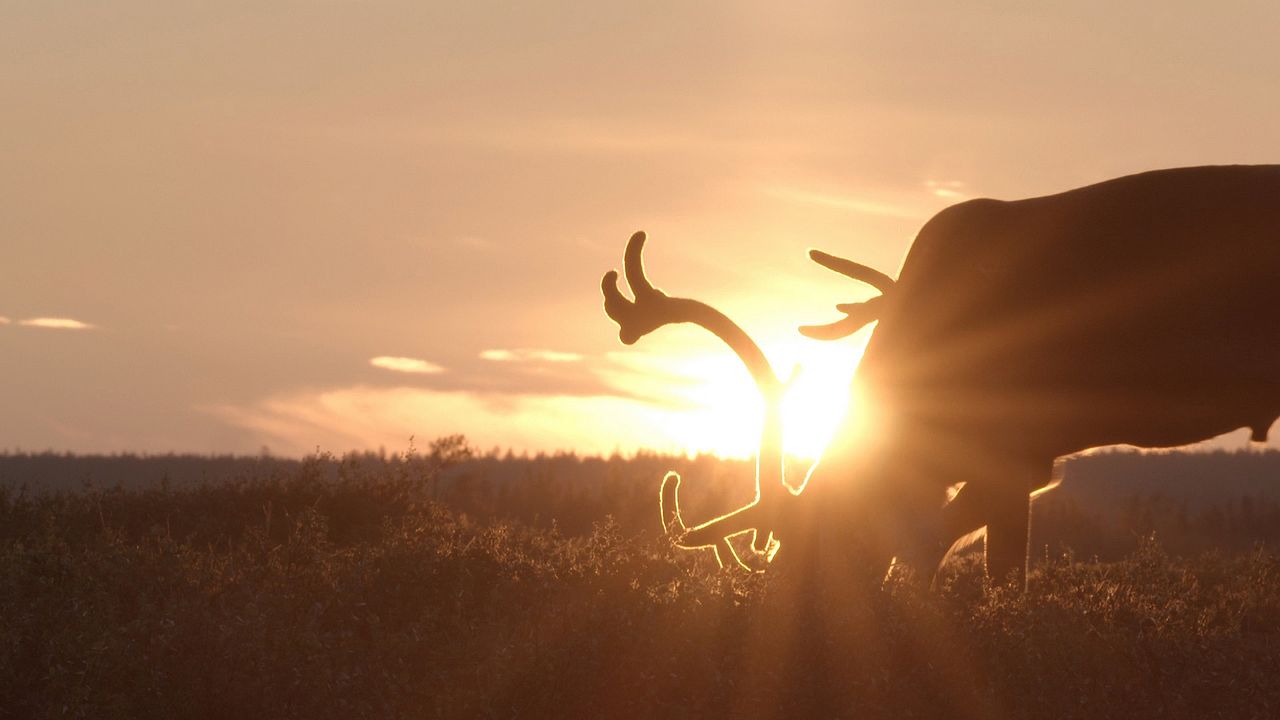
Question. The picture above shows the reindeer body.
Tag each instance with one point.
(1138, 311)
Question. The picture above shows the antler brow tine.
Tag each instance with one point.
(857, 271)
(856, 314)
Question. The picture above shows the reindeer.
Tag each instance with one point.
(1138, 311)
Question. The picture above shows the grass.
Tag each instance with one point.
(316, 596)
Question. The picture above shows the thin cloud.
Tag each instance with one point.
(558, 135)
(55, 323)
(4, 320)
(494, 377)
(405, 365)
(498, 373)
(368, 417)
(840, 202)
(946, 189)
(530, 355)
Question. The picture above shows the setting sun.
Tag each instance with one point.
(725, 409)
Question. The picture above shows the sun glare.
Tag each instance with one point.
(729, 410)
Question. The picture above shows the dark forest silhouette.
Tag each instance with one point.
(1107, 504)
(499, 586)
(1133, 311)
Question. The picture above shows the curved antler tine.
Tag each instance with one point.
(704, 534)
(856, 307)
(832, 331)
(651, 308)
(613, 297)
(669, 505)
(621, 310)
(713, 533)
(856, 316)
(857, 271)
(633, 264)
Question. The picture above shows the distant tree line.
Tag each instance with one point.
(1106, 505)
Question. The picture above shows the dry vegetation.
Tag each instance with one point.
(341, 591)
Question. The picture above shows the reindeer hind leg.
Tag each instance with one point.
(1008, 536)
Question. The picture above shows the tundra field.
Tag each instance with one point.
(447, 584)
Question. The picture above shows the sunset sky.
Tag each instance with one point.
(232, 225)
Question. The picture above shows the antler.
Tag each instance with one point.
(856, 314)
(653, 309)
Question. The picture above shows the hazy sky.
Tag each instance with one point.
(226, 224)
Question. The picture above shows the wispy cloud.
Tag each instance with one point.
(530, 355)
(507, 372)
(947, 189)
(405, 365)
(55, 323)
(367, 417)
(841, 202)
(4, 320)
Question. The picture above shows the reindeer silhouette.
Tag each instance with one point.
(1139, 311)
